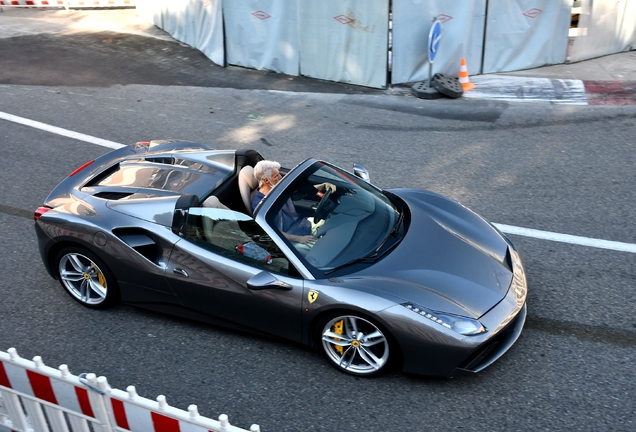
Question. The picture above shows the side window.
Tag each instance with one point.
(236, 236)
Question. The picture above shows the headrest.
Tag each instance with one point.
(246, 176)
(213, 202)
(247, 183)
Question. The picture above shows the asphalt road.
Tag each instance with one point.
(560, 169)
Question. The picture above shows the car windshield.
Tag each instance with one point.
(332, 218)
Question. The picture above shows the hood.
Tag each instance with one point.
(450, 260)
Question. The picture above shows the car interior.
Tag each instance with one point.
(237, 192)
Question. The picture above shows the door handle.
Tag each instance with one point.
(180, 271)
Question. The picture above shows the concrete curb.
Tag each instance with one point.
(610, 92)
(552, 90)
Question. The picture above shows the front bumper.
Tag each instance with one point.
(431, 349)
(508, 327)
(489, 352)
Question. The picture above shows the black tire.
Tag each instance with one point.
(353, 344)
(86, 278)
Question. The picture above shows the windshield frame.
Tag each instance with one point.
(267, 210)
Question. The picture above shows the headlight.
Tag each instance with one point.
(462, 325)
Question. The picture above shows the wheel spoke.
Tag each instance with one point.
(77, 264)
(83, 291)
(370, 358)
(344, 363)
(71, 276)
(351, 327)
(97, 288)
(336, 339)
(373, 339)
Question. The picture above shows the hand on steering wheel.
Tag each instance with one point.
(324, 187)
(321, 210)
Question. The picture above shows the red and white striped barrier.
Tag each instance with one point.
(38, 398)
(69, 3)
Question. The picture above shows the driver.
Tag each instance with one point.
(294, 227)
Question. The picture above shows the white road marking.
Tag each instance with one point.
(60, 131)
(567, 238)
(508, 229)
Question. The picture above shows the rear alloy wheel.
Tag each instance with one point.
(86, 277)
(355, 345)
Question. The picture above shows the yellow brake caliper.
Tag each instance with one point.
(338, 328)
(101, 278)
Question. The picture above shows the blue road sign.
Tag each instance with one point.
(434, 37)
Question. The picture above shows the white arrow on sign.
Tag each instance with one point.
(434, 36)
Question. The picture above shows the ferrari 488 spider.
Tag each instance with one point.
(399, 276)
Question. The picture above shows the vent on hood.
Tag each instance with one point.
(161, 160)
(113, 195)
(508, 260)
(101, 176)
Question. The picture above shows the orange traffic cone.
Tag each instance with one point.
(463, 76)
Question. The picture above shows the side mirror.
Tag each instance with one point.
(265, 280)
(360, 171)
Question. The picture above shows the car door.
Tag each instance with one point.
(227, 267)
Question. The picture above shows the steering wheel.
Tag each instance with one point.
(321, 210)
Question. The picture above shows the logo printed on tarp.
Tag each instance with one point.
(442, 18)
(206, 3)
(343, 19)
(261, 15)
(533, 13)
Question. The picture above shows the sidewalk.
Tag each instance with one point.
(18, 21)
(607, 80)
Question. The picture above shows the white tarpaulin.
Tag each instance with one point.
(262, 34)
(524, 34)
(199, 23)
(462, 37)
(605, 27)
(345, 40)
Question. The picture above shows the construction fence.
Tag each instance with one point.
(69, 3)
(38, 398)
(379, 42)
(375, 43)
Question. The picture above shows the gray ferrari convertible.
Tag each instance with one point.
(401, 276)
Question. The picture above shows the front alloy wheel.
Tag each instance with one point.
(85, 278)
(355, 345)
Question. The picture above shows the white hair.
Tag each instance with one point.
(264, 170)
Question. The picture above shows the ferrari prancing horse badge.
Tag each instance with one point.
(312, 296)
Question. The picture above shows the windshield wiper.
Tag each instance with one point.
(398, 224)
(392, 233)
